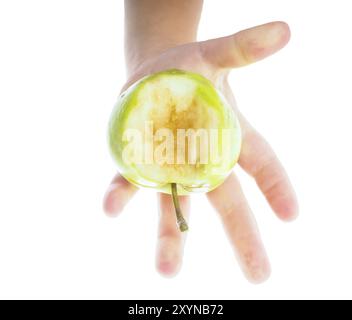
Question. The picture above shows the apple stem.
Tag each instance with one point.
(181, 222)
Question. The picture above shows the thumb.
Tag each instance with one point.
(246, 46)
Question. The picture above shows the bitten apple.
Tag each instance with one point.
(174, 131)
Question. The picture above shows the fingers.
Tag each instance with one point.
(246, 46)
(241, 228)
(259, 160)
(118, 194)
(170, 238)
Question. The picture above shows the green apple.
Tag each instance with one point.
(174, 131)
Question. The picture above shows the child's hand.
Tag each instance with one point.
(214, 60)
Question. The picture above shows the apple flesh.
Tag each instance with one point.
(150, 134)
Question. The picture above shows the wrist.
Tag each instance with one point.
(153, 26)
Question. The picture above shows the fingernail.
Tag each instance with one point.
(168, 262)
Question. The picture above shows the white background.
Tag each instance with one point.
(61, 67)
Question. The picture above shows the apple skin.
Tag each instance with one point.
(210, 110)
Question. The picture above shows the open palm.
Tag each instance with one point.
(214, 60)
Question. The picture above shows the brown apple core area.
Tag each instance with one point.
(173, 112)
